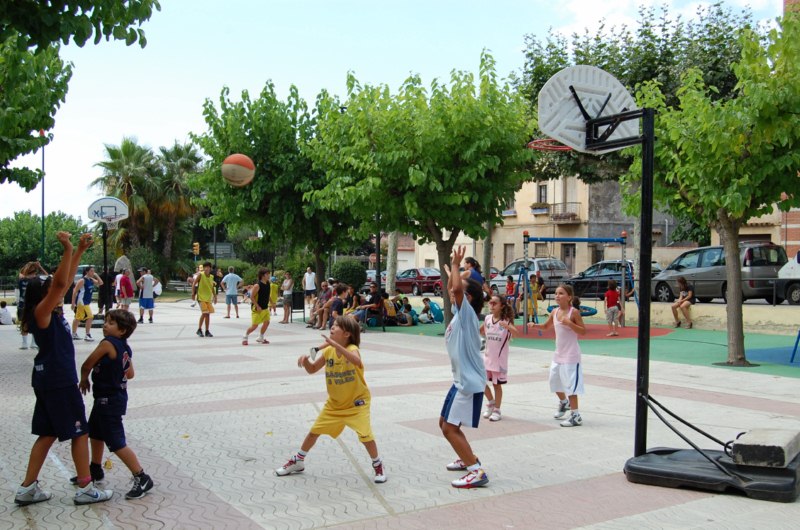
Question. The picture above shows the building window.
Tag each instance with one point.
(540, 250)
(508, 254)
(510, 207)
(429, 263)
(541, 193)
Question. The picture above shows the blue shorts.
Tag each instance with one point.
(146, 303)
(232, 299)
(105, 424)
(311, 292)
(462, 409)
(59, 412)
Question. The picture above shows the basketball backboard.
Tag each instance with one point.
(108, 210)
(577, 94)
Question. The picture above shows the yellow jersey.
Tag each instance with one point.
(347, 387)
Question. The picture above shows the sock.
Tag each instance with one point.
(301, 455)
(490, 403)
(576, 413)
(24, 340)
(376, 461)
(261, 336)
(84, 481)
(563, 401)
(474, 467)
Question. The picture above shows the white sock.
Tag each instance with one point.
(474, 467)
(576, 413)
(24, 340)
(490, 403)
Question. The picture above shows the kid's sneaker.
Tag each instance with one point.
(489, 410)
(31, 494)
(90, 494)
(473, 479)
(574, 420)
(380, 475)
(292, 466)
(458, 465)
(88, 338)
(141, 485)
(96, 471)
(562, 409)
(208, 334)
(75, 336)
(496, 415)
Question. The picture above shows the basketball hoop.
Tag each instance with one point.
(548, 144)
(112, 224)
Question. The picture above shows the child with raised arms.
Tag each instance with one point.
(348, 403)
(59, 413)
(566, 374)
(111, 366)
(462, 406)
(498, 328)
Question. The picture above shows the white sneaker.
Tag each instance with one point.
(90, 494)
(292, 466)
(496, 416)
(31, 494)
(563, 407)
(488, 412)
(473, 479)
(380, 474)
(574, 420)
(88, 338)
(75, 336)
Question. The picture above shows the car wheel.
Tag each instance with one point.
(415, 290)
(793, 294)
(704, 299)
(664, 293)
(437, 291)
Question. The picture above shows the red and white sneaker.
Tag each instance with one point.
(292, 466)
(473, 479)
(244, 341)
(458, 465)
(380, 475)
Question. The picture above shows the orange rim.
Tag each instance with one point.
(548, 144)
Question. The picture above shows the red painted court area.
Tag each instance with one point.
(599, 332)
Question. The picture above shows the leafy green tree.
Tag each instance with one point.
(350, 271)
(433, 163)
(724, 161)
(21, 239)
(270, 132)
(173, 201)
(42, 23)
(33, 87)
(128, 174)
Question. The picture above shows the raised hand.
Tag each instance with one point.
(85, 242)
(64, 239)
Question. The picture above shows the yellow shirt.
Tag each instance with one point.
(205, 288)
(345, 381)
(273, 292)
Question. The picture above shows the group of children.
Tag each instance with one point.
(59, 412)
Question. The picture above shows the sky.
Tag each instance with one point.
(197, 47)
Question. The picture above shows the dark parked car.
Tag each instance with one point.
(419, 280)
(593, 282)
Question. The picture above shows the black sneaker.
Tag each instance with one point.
(150, 320)
(96, 472)
(141, 485)
(199, 332)
(208, 334)
(140, 321)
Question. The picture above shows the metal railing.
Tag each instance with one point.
(565, 212)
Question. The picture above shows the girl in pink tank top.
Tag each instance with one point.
(498, 328)
(566, 374)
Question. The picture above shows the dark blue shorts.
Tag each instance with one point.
(59, 412)
(311, 292)
(105, 424)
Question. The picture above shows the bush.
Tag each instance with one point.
(351, 272)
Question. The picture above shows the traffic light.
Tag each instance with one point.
(196, 248)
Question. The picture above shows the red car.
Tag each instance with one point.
(418, 281)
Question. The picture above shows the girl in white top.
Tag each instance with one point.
(498, 328)
(566, 375)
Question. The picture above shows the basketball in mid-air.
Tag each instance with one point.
(238, 170)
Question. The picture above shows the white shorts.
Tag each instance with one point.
(566, 378)
(462, 409)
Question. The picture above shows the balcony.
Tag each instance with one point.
(565, 213)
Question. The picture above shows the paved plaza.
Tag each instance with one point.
(210, 420)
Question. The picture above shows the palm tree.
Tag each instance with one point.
(128, 175)
(173, 204)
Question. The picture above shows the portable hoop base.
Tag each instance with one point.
(686, 468)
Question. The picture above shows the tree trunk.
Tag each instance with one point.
(729, 234)
(486, 259)
(391, 261)
(169, 236)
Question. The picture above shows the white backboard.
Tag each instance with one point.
(108, 210)
(560, 116)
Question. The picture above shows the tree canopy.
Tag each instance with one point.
(434, 162)
(21, 239)
(722, 161)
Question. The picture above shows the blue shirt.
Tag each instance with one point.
(88, 289)
(464, 348)
(231, 281)
(54, 364)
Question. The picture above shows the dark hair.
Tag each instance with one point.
(474, 263)
(682, 283)
(349, 325)
(426, 299)
(612, 284)
(507, 312)
(34, 293)
(510, 278)
(2, 303)
(124, 320)
(341, 288)
(475, 292)
(207, 264)
(261, 272)
(408, 308)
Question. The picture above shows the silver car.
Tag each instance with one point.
(553, 272)
(704, 268)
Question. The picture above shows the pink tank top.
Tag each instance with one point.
(567, 349)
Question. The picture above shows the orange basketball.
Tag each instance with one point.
(238, 170)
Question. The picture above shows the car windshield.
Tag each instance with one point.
(764, 256)
(427, 271)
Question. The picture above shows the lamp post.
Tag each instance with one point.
(41, 255)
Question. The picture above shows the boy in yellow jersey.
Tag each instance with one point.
(207, 296)
(348, 396)
(273, 295)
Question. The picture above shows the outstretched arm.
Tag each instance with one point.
(454, 282)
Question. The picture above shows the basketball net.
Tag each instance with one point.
(112, 223)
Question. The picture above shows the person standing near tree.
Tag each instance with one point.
(231, 283)
(310, 285)
(286, 289)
